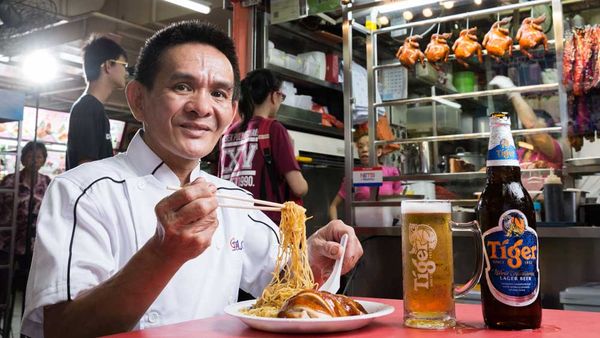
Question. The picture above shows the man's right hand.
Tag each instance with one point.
(189, 220)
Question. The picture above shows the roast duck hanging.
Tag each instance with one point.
(497, 42)
(531, 35)
(409, 53)
(466, 46)
(438, 50)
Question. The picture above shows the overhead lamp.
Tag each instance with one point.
(383, 21)
(447, 4)
(408, 15)
(194, 5)
(477, 2)
(40, 66)
(427, 12)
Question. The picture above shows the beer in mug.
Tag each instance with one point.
(428, 274)
(511, 283)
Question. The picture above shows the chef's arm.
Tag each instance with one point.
(115, 305)
(542, 142)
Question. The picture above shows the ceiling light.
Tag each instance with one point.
(39, 66)
(408, 15)
(477, 2)
(427, 12)
(383, 21)
(448, 4)
(191, 4)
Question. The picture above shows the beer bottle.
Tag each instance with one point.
(510, 286)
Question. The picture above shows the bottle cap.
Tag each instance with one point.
(552, 179)
(537, 205)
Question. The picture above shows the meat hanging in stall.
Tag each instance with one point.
(497, 42)
(530, 35)
(466, 46)
(409, 53)
(581, 77)
(438, 50)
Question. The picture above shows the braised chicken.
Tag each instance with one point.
(438, 50)
(319, 304)
(531, 34)
(497, 41)
(410, 53)
(466, 46)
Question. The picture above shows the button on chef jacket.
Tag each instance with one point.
(113, 200)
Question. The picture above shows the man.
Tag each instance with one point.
(116, 250)
(105, 69)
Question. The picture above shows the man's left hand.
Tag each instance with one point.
(324, 248)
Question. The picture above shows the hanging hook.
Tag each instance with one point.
(411, 31)
(438, 30)
(467, 22)
(498, 15)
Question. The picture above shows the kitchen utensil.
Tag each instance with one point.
(332, 284)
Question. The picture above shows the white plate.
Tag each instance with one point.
(311, 325)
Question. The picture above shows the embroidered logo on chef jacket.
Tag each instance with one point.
(236, 245)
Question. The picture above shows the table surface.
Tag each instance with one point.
(555, 324)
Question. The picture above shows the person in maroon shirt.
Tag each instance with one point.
(242, 160)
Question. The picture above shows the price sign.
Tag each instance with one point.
(367, 177)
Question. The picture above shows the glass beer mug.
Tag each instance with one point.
(428, 273)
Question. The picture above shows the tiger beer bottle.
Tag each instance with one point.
(510, 286)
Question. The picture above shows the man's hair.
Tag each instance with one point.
(39, 146)
(97, 51)
(192, 31)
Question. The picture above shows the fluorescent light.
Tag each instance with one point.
(446, 102)
(193, 5)
(39, 66)
(405, 4)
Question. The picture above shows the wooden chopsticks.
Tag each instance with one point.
(261, 205)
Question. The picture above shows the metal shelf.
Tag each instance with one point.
(302, 78)
(458, 96)
(543, 232)
(470, 136)
(4, 191)
(470, 175)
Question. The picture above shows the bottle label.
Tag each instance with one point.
(501, 148)
(511, 258)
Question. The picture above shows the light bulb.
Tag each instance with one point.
(408, 15)
(427, 12)
(477, 2)
(40, 66)
(448, 4)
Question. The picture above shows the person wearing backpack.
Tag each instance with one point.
(257, 153)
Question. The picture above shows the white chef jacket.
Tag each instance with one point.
(113, 201)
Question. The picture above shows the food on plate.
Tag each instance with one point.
(319, 304)
(466, 46)
(292, 272)
(438, 50)
(409, 53)
(497, 42)
(531, 34)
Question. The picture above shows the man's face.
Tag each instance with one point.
(190, 104)
(118, 72)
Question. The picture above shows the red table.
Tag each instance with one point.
(555, 324)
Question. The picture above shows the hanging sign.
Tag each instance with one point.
(367, 177)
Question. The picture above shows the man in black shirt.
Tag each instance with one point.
(105, 68)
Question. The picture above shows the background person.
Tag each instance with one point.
(105, 69)
(543, 151)
(364, 193)
(276, 177)
(117, 250)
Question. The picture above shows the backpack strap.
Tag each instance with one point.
(264, 144)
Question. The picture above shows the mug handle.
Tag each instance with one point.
(474, 228)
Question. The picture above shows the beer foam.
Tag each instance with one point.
(432, 207)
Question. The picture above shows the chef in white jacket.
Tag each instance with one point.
(117, 250)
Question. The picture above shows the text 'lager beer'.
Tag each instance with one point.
(510, 288)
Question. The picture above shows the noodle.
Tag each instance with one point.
(292, 258)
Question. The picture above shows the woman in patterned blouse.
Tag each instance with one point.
(31, 166)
